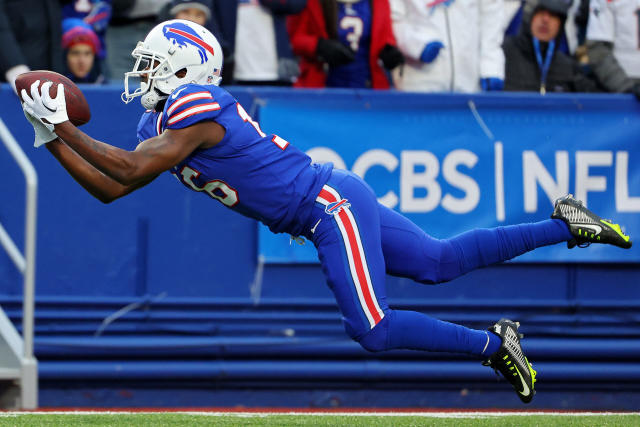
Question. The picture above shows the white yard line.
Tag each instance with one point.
(457, 414)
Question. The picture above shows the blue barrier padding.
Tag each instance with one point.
(144, 243)
(190, 281)
(91, 303)
(565, 349)
(351, 396)
(370, 370)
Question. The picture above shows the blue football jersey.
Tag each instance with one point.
(354, 31)
(149, 125)
(259, 175)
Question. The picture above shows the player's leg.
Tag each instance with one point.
(410, 252)
(351, 259)
(348, 240)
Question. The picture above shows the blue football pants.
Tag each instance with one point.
(359, 241)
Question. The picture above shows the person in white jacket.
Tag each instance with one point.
(449, 45)
(613, 44)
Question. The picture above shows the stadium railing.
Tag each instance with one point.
(16, 353)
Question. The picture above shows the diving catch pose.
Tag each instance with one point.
(198, 132)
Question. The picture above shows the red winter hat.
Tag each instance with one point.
(76, 31)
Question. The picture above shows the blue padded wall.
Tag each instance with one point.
(194, 335)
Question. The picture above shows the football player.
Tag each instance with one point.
(202, 135)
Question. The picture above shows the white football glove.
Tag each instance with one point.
(43, 107)
(44, 131)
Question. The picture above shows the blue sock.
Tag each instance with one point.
(482, 247)
(401, 329)
(493, 345)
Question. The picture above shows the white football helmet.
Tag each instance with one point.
(170, 47)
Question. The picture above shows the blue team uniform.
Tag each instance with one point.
(358, 240)
(261, 177)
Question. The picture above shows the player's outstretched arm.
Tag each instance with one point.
(127, 168)
(95, 182)
(150, 158)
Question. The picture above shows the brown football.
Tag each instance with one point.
(77, 107)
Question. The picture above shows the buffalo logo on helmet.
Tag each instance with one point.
(182, 35)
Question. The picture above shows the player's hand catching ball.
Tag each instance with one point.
(43, 107)
(44, 131)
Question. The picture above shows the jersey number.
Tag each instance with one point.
(354, 27)
(280, 142)
(217, 189)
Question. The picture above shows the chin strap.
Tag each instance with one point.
(151, 98)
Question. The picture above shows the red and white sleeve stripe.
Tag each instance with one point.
(188, 98)
(159, 124)
(192, 111)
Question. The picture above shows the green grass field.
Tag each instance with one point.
(252, 419)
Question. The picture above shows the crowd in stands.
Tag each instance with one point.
(409, 45)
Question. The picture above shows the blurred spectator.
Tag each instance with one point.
(96, 13)
(255, 32)
(130, 23)
(575, 27)
(198, 11)
(345, 43)
(449, 45)
(614, 44)
(224, 14)
(262, 52)
(81, 46)
(533, 62)
(30, 36)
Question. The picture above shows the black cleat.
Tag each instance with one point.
(510, 360)
(587, 227)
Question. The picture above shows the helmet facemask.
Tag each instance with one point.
(149, 67)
